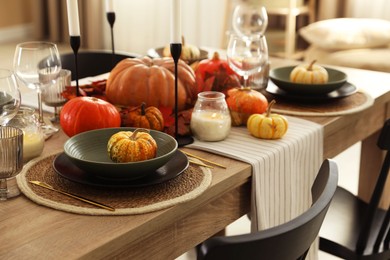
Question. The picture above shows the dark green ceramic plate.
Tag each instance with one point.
(88, 151)
(281, 78)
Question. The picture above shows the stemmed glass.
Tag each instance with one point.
(11, 139)
(247, 56)
(249, 20)
(9, 96)
(37, 65)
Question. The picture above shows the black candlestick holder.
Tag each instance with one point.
(111, 21)
(75, 44)
(176, 52)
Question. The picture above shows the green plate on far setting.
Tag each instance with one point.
(281, 78)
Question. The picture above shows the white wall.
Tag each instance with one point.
(141, 25)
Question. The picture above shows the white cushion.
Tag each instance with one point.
(347, 33)
(370, 59)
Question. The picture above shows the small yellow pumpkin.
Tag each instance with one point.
(127, 146)
(309, 74)
(267, 126)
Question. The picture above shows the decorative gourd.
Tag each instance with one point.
(88, 113)
(243, 102)
(309, 74)
(215, 74)
(189, 52)
(267, 126)
(135, 80)
(127, 146)
(141, 117)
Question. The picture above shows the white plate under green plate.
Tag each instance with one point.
(88, 151)
(281, 78)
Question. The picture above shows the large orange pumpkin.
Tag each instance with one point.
(135, 80)
(82, 114)
(243, 102)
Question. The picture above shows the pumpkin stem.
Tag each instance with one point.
(136, 131)
(143, 109)
(311, 65)
(269, 107)
(215, 56)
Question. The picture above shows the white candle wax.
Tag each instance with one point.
(73, 18)
(109, 6)
(175, 21)
(210, 126)
(32, 145)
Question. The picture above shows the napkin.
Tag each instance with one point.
(283, 169)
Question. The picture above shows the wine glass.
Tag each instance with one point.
(37, 65)
(247, 56)
(249, 20)
(9, 96)
(52, 96)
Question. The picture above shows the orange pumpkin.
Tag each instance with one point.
(141, 117)
(243, 102)
(135, 80)
(88, 113)
(127, 146)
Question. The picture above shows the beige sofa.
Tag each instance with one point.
(351, 42)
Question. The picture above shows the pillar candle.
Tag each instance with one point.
(175, 21)
(109, 6)
(73, 18)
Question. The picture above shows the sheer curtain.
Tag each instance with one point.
(141, 25)
(51, 22)
(369, 9)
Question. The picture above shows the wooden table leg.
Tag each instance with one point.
(371, 159)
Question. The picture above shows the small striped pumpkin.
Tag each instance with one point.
(127, 146)
(267, 126)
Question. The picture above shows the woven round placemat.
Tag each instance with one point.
(126, 201)
(334, 107)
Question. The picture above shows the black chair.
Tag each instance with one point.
(291, 240)
(354, 229)
(92, 63)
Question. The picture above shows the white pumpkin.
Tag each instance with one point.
(309, 74)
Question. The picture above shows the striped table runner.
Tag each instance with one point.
(283, 170)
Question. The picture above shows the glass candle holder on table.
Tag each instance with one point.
(33, 137)
(210, 120)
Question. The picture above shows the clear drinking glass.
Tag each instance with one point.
(52, 96)
(37, 65)
(11, 156)
(9, 96)
(249, 20)
(247, 56)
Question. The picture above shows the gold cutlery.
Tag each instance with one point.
(200, 164)
(202, 159)
(47, 186)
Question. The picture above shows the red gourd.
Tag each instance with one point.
(82, 114)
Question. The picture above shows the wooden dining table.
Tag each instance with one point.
(29, 230)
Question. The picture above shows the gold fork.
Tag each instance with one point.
(47, 186)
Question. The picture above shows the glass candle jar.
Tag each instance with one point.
(33, 138)
(210, 119)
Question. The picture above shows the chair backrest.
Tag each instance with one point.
(382, 239)
(92, 63)
(290, 240)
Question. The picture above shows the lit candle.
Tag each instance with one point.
(210, 125)
(109, 6)
(175, 21)
(32, 145)
(73, 18)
